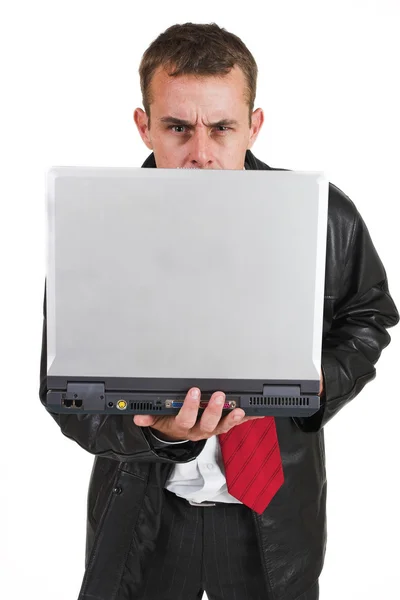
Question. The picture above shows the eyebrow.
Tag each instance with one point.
(174, 121)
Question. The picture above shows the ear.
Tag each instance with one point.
(141, 120)
(257, 119)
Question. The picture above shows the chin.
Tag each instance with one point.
(203, 168)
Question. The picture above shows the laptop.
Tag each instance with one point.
(163, 279)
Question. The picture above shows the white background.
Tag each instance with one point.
(328, 83)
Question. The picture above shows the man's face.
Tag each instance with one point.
(199, 122)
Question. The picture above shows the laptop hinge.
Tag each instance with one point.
(281, 390)
(91, 393)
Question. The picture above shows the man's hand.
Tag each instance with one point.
(321, 385)
(184, 425)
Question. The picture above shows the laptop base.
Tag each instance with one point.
(276, 399)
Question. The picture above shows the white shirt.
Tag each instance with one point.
(203, 478)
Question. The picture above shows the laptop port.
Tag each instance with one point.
(67, 403)
(78, 403)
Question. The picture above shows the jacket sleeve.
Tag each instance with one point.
(363, 312)
(113, 436)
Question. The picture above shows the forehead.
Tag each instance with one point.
(226, 92)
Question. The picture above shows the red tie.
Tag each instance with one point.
(252, 459)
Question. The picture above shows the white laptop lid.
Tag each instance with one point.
(168, 273)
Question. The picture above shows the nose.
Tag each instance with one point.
(200, 149)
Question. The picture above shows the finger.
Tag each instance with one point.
(144, 420)
(233, 418)
(236, 417)
(212, 413)
(187, 415)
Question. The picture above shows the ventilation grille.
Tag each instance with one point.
(148, 406)
(278, 401)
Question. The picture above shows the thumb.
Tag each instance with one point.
(144, 420)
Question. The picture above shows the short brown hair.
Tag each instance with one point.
(197, 49)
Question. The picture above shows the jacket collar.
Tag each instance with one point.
(250, 162)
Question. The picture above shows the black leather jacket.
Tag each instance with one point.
(130, 469)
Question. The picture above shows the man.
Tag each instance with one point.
(145, 540)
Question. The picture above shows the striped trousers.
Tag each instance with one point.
(211, 549)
